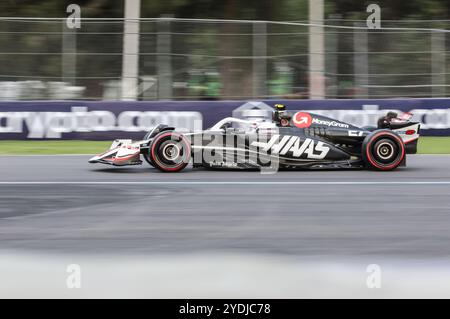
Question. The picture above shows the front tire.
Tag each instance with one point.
(383, 150)
(170, 151)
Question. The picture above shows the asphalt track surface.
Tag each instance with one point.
(62, 204)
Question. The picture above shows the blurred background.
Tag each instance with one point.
(197, 50)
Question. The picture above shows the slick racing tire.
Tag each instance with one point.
(149, 135)
(383, 150)
(170, 151)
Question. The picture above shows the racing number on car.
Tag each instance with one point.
(355, 133)
(302, 119)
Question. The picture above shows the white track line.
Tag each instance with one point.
(226, 183)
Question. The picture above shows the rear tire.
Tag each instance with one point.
(169, 151)
(383, 150)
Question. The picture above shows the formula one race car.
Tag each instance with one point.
(289, 140)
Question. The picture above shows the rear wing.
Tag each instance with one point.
(410, 133)
(402, 125)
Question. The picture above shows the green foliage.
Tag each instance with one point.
(434, 145)
(52, 147)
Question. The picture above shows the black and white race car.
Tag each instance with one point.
(290, 140)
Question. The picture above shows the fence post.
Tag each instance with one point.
(316, 51)
(164, 60)
(331, 62)
(130, 55)
(438, 64)
(361, 61)
(69, 58)
(259, 59)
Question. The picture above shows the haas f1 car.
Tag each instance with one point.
(291, 140)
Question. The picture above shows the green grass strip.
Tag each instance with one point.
(427, 145)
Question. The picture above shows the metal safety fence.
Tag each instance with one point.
(186, 59)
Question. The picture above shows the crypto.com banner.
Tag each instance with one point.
(109, 120)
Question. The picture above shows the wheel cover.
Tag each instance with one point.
(385, 145)
(385, 150)
(170, 151)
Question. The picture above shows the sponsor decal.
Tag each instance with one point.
(223, 164)
(36, 120)
(80, 119)
(302, 119)
(294, 146)
(130, 147)
(329, 123)
(436, 119)
(405, 132)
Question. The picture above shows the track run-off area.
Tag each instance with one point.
(210, 224)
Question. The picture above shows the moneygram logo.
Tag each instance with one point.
(302, 119)
(329, 123)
